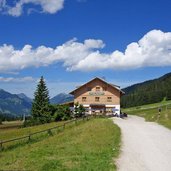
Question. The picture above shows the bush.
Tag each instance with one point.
(79, 110)
(58, 113)
(37, 121)
(31, 122)
(61, 112)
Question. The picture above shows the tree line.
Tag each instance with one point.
(149, 92)
(44, 112)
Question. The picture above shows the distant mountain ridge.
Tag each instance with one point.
(19, 104)
(151, 91)
(61, 98)
(12, 104)
(26, 98)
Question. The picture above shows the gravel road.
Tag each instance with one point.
(146, 146)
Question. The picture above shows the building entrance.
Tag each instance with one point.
(98, 109)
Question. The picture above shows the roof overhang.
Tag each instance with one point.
(112, 85)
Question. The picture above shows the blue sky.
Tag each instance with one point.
(71, 41)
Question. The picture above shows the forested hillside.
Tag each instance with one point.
(147, 92)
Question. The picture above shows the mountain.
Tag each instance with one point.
(12, 104)
(26, 98)
(61, 98)
(151, 91)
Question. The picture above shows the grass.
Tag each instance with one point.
(154, 105)
(150, 113)
(91, 145)
(11, 124)
(6, 134)
(17, 132)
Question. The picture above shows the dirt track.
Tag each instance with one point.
(146, 146)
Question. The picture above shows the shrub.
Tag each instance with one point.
(61, 112)
(79, 110)
(31, 122)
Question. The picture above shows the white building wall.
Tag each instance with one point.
(117, 108)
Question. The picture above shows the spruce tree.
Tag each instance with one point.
(41, 106)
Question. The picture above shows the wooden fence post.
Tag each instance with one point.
(49, 131)
(29, 137)
(0, 145)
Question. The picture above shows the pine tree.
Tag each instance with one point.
(41, 106)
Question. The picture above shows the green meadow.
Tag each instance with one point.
(151, 112)
(89, 145)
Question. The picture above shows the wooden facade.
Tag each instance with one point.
(98, 96)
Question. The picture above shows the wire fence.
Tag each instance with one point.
(29, 137)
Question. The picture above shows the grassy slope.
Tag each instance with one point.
(6, 134)
(150, 112)
(154, 105)
(88, 146)
(17, 132)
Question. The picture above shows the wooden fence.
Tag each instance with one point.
(49, 131)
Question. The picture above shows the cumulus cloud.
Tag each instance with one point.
(153, 49)
(18, 80)
(47, 6)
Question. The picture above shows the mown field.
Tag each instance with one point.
(90, 145)
(11, 124)
(151, 112)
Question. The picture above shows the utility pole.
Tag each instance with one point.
(24, 117)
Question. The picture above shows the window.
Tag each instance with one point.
(84, 99)
(97, 88)
(104, 88)
(97, 99)
(88, 88)
(109, 99)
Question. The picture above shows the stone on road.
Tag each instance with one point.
(146, 146)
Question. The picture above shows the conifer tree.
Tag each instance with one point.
(41, 106)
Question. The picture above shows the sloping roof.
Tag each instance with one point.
(68, 103)
(114, 86)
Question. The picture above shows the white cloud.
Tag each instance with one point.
(17, 80)
(2, 4)
(47, 6)
(154, 49)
